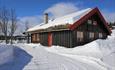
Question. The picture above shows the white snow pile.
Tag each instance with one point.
(100, 51)
(97, 55)
(6, 54)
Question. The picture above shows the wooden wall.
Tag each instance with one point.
(87, 28)
(62, 38)
(44, 38)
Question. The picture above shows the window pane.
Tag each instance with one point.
(37, 37)
(33, 37)
(89, 22)
(79, 36)
(94, 22)
(100, 35)
(91, 35)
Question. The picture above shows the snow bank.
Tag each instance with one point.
(97, 55)
(100, 51)
(91, 50)
(6, 54)
(44, 60)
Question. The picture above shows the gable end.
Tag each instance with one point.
(84, 18)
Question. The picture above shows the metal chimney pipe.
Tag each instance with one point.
(46, 18)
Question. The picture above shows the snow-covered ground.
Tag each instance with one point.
(6, 54)
(97, 55)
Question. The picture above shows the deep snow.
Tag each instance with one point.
(97, 55)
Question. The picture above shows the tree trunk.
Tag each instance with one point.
(6, 39)
(11, 39)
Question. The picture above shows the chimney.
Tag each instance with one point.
(46, 18)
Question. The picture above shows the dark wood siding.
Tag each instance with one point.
(62, 38)
(44, 38)
(87, 28)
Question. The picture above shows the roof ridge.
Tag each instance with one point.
(83, 10)
(67, 19)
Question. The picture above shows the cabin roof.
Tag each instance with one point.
(67, 19)
(72, 20)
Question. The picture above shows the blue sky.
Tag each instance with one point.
(32, 10)
(37, 7)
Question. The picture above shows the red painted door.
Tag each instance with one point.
(49, 39)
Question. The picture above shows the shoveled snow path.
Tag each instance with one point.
(44, 60)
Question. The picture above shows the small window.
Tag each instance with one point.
(100, 35)
(89, 21)
(79, 36)
(37, 37)
(91, 35)
(94, 22)
(33, 37)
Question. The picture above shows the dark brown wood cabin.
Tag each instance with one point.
(90, 27)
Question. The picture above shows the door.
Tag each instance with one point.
(49, 39)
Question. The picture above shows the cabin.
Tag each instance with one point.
(71, 30)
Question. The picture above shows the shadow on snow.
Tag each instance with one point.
(21, 59)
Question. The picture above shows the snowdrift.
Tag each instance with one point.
(97, 55)
(101, 51)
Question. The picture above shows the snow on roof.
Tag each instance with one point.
(68, 19)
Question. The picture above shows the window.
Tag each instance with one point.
(35, 37)
(91, 35)
(100, 35)
(89, 21)
(94, 22)
(79, 36)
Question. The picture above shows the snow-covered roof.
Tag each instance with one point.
(67, 19)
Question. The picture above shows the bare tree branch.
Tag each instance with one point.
(8, 22)
(4, 18)
(13, 25)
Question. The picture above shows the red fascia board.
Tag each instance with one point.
(77, 23)
(81, 20)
